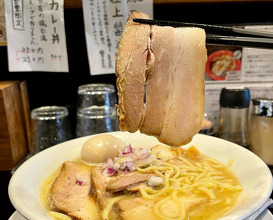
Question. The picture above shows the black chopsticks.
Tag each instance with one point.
(262, 43)
(223, 35)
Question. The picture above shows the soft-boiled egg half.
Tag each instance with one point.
(99, 148)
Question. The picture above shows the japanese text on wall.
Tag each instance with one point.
(36, 36)
(104, 22)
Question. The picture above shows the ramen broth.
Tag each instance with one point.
(199, 188)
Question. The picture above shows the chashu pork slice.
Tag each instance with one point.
(131, 67)
(172, 66)
(70, 192)
(175, 88)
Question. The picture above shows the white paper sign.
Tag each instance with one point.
(258, 63)
(3, 38)
(36, 35)
(104, 22)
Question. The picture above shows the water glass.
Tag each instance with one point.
(96, 119)
(51, 126)
(96, 94)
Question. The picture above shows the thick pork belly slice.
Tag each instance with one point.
(175, 87)
(70, 192)
(134, 208)
(131, 62)
(98, 187)
(125, 180)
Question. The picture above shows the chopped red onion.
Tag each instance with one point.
(108, 164)
(79, 182)
(110, 171)
(116, 166)
(128, 166)
(127, 150)
(128, 159)
(144, 162)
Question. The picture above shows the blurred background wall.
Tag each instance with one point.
(46, 88)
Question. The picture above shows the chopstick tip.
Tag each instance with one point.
(143, 21)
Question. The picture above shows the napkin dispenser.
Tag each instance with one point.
(14, 123)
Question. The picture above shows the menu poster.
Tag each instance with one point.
(223, 63)
(36, 35)
(104, 21)
(3, 37)
(258, 63)
(229, 64)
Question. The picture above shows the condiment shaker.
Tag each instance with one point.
(234, 110)
(261, 128)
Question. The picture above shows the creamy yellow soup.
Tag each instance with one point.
(194, 187)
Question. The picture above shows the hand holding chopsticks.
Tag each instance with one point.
(223, 35)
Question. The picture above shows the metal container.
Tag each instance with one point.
(261, 128)
(234, 109)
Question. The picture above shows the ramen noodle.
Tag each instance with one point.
(182, 184)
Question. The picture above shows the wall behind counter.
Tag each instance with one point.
(45, 88)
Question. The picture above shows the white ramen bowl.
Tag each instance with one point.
(253, 173)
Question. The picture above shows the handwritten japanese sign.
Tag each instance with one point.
(36, 35)
(3, 39)
(258, 63)
(104, 22)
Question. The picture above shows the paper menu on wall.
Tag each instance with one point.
(258, 63)
(36, 35)
(3, 38)
(230, 64)
(104, 21)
